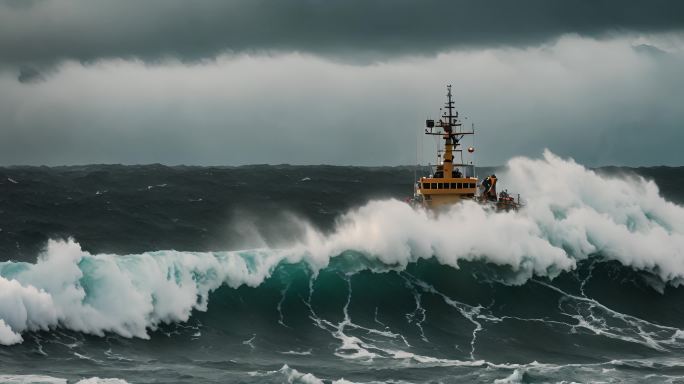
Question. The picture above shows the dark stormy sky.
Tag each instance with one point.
(337, 81)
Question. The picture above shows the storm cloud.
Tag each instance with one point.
(39, 33)
(337, 82)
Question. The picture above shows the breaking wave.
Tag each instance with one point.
(572, 214)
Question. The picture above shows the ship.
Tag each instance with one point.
(453, 180)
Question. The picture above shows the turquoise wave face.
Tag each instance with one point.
(132, 295)
(420, 323)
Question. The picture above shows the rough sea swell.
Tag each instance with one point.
(582, 285)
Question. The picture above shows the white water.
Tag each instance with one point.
(571, 213)
(39, 379)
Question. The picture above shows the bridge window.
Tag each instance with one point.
(460, 185)
(453, 185)
(439, 186)
(426, 185)
(472, 185)
(434, 185)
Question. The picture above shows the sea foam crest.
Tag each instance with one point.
(571, 213)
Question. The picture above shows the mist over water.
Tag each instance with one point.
(593, 263)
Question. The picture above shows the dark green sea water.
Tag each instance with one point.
(282, 274)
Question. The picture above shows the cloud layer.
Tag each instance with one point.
(599, 101)
(40, 32)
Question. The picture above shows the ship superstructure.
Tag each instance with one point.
(452, 179)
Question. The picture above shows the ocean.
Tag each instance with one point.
(323, 274)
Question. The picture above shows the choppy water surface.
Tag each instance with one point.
(322, 274)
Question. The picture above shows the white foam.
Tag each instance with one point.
(32, 379)
(625, 219)
(290, 375)
(298, 353)
(515, 378)
(97, 380)
(41, 379)
(123, 294)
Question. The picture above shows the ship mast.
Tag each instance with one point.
(448, 122)
(450, 141)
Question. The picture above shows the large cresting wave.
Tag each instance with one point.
(571, 214)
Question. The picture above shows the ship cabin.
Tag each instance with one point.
(438, 190)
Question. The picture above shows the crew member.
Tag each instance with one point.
(491, 191)
(485, 186)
